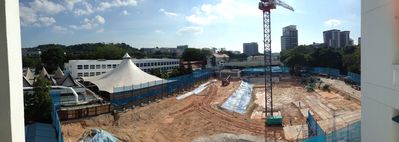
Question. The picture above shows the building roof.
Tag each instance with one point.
(29, 75)
(44, 73)
(221, 55)
(59, 74)
(127, 74)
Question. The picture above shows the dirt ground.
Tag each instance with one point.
(170, 120)
(331, 109)
(200, 117)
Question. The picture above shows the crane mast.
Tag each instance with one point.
(266, 6)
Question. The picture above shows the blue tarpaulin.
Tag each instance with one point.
(98, 135)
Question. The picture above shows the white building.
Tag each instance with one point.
(89, 68)
(380, 72)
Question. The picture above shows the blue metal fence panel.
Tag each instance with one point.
(55, 96)
(324, 70)
(354, 77)
(314, 128)
(351, 133)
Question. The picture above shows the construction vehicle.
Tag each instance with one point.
(266, 6)
(226, 81)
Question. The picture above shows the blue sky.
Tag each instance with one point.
(168, 23)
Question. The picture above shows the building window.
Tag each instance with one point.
(114, 66)
(91, 73)
(98, 66)
(80, 67)
(86, 74)
(98, 73)
(92, 66)
(109, 66)
(104, 66)
(152, 64)
(86, 66)
(80, 74)
(102, 72)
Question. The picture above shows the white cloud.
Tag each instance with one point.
(37, 12)
(190, 30)
(60, 29)
(86, 9)
(71, 3)
(116, 3)
(332, 23)
(46, 6)
(47, 21)
(167, 13)
(124, 12)
(28, 16)
(225, 9)
(201, 20)
(89, 24)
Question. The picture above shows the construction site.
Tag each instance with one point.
(206, 115)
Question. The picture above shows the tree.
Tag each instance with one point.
(30, 62)
(38, 104)
(52, 58)
(156, 72)
(164, 74)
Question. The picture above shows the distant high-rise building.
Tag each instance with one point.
(359, 41)
(336, 38)
(345, 39)
(289, 39)
(182, 47)
(251, 49)
(332, 38)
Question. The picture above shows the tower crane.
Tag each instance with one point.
(266, 6)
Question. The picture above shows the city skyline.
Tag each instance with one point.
(151, 23)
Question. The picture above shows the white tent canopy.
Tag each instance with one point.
(127, 74)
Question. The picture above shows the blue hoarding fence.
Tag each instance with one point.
(315, 132)
(354, 77)
(327, 71)
(261, 71)
(55, 96)
(350, 133)
(142, 92)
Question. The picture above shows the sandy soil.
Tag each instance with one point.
(172, 121)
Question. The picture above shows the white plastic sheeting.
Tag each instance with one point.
(196, 91)
(239, 100)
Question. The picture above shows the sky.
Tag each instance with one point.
(168, 23)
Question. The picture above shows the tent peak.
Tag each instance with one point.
(126, 56)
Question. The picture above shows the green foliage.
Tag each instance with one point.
(193, 54)
(164, 74)
(156, 72)
(344, 59)
(38, 104)
(326, 88)
(31, 62)
(351, 60)
(53, 57)
(236, 57)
